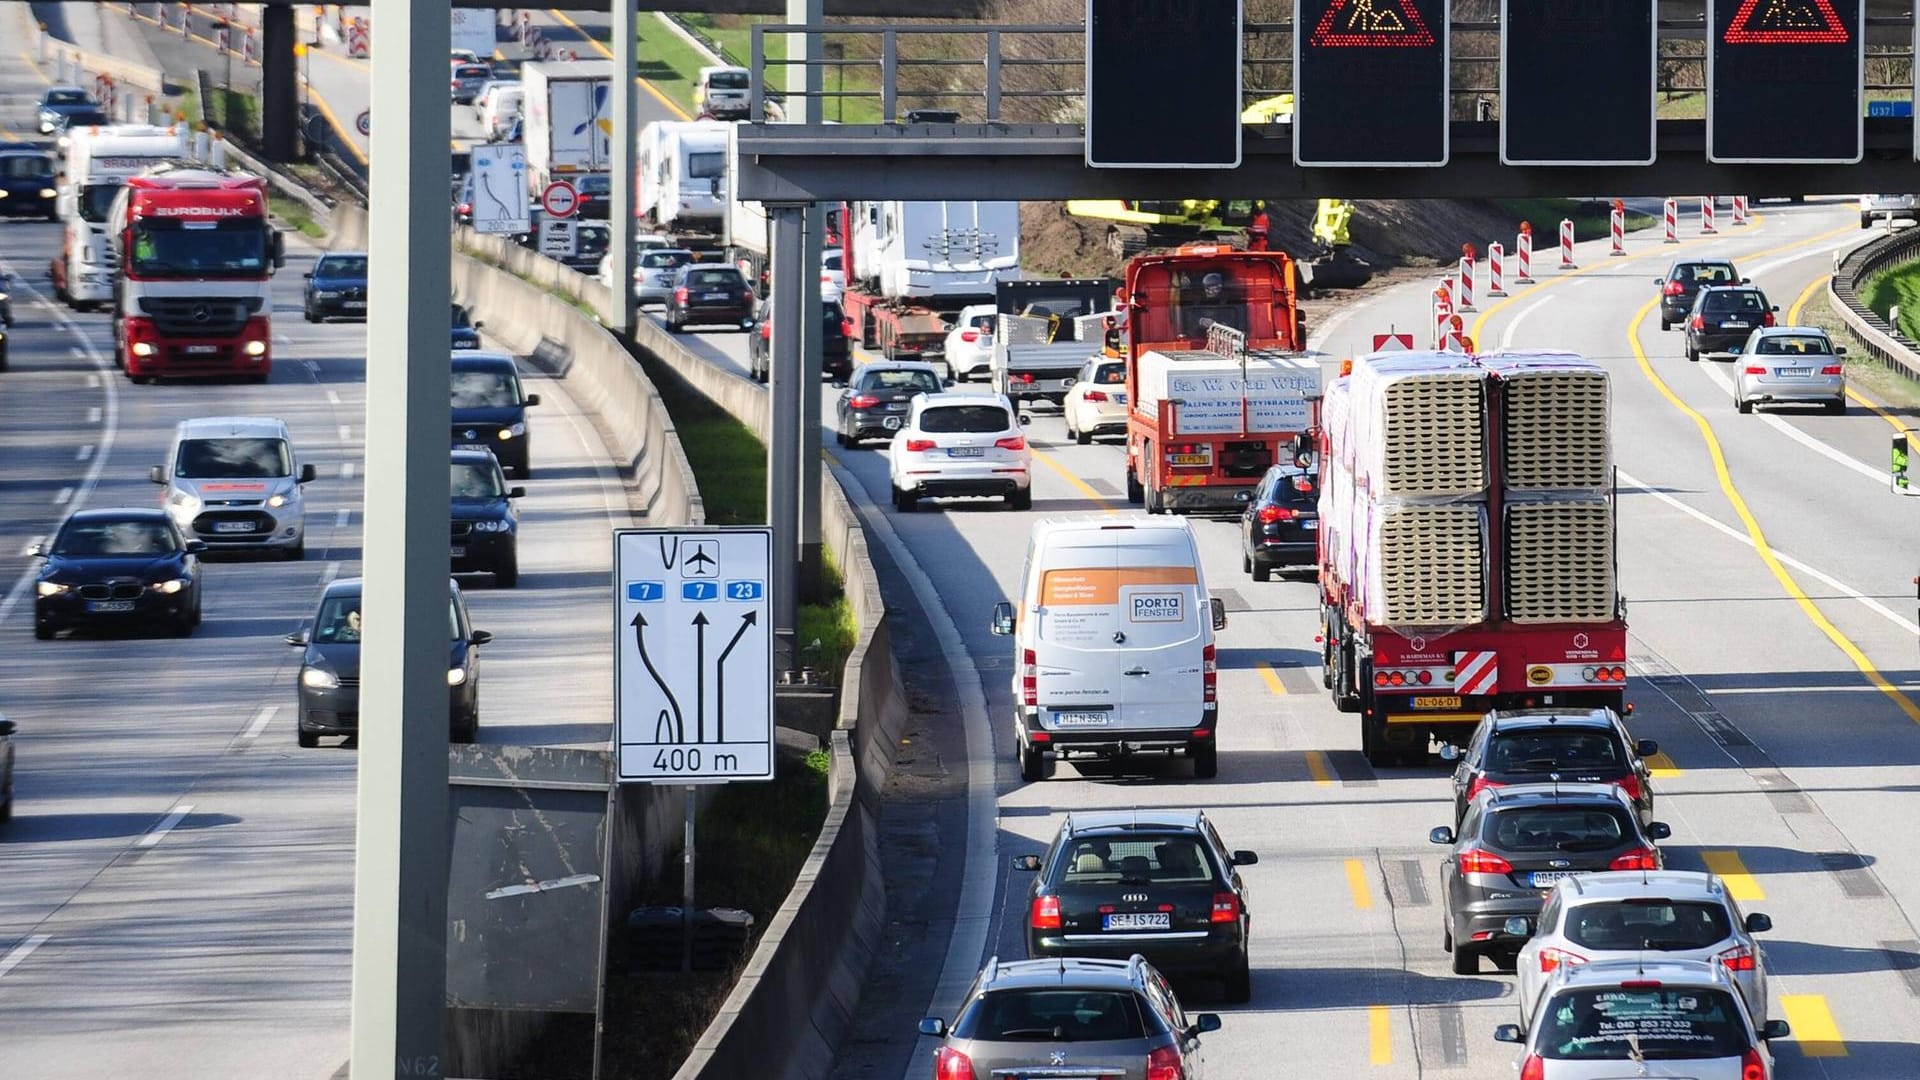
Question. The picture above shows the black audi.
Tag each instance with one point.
(486, 527)
(876, 403)
(120, 567)
(1281, 526)
(490, 409)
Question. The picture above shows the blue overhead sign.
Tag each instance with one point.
(1889, 108)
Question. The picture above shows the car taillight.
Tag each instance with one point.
(1830, 369)
(1752, 369)
(1044, 914)
(1752, 1066)
(1226, 907)
(1029, 678)
(1551, 959)
(969, 335)
(1637, 859)
(1699, 322)
(1026, 376)
(1270, 514)
(1533, 1068)
(465, 208)
(1674, 288)
(1012, 442)
(1094, 395)
(1476, 861)
(1164, 1064)
(1480, 784)
(951, 1064)
(1738, 958)
(916, 446)
(680, 295)
(846, 327)
(866, 401)
(1209, 674)
(1630, 786)
(1767, 319)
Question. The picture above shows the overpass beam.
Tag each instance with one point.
(786, 384)
(803, 86)
(279, 94)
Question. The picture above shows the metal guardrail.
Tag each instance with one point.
(1882, 339)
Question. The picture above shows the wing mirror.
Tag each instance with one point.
(299, 639)
(1658, 830)
(933, 1027)
(6, 727)
(1840, 350)
(1758, 923)
(1002, 619)
(195, 547)
(1517, 927)
(480, 637)
(308, 473)
(1244, 857)
(1449, 752)
(1646, 748)
(516, 493)
(1659, 281)
(37, 551)
(1508, 1033)
(1204, 1023)
(157, 474)
(1026, 862)
(839, 384)
(1774, 1029)
(1441, 835)
(1219, 609)
(479, 324)
(308, 275)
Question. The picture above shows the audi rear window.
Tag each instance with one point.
(1552, 750)
(900, 380)
(965, 419)
(1053, 1016)
(1656, 1023)
(1136, 859)
(1524, 829)
(1653, 923)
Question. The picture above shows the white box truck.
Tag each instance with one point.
(98, 163)
(568, 109)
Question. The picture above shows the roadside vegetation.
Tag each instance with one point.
(1895, 389)
(295, 215)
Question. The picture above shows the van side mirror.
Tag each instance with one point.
(1646, 748)
(1658, 830)
(531, 401)
(1219, 609)
(1026, 862)
(1758, 923)
(1774, 1029)
(308, 473)
(1507, 1033)
(157, 474)
(1002, 619)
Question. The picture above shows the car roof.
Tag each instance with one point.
(212, 427)
(1079, 823)
(1633, 969)
(25, 151)
(1550, 793)
(63, 87)
(1701, 262)
(1668, 884)
(482, 359)
(343, 254)
(1737, 286)
(1531, 719)
(1066, 971)
(931, 401)
(1795, 331)
(120, 513)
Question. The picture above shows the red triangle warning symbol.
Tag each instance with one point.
(1786, 22)
(1374, 24)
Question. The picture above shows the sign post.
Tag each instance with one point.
(1371, 82)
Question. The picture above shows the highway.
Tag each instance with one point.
(178, 875)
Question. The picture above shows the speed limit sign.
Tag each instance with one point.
(559, 199)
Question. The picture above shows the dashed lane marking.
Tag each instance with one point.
(1357, 885)
(1814, 1031)
(1727, 865)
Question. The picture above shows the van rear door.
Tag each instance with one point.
(1159, 635)
(1077, 683)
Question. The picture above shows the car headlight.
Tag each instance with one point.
(184, 500)
(169, 586)
(493, 526)
(48, 193)
(328, 294)
(256, 348)
(456, 676)
(277, 501)
(4, 193)
(314, 678)
(51, 588)
(510, 432)
(142, 348)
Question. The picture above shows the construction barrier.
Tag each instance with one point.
(1617, 227)
(1739, 209)
(1463, 298)
(1442, 312)
(222, 37)
(249, 52)
(1706, 216)
(1523, 254)
(1670, 213)
(359, 40)
(1566, 244)
(1456, 337)
(1496, 269)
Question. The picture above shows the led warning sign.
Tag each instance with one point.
(1370, 79)
(1785, 22)
(1784, 81)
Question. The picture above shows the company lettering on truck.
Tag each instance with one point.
(1082, 606)
(196, 211)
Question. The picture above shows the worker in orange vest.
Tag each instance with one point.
(1258, 228)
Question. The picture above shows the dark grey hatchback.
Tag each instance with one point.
(1515, 843)
(1280, 527)
(876, 402)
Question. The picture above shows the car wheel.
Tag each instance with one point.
(308, 312)
(1866, 221)
(1246, 562)
(1033, 764)
(674, 326)
(840, 436)
(43, 631)
(183, 625)
(1134, 492)
(1465, 960)
(307, 739)
(1262, 572)
(1206, 760)
(297, 552)
(1664, 324)
(467, 732)
(1081, 437)
(1240, 982)
(905, 501)
(1743, 405)
(506, 575)
(1693, 354)
(1021, 500)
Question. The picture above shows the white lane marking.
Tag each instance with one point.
(20, 952)
(346, 470)
(346, 433)
(1788, 260)
(613, 496)
(1317, 339)
(1829, 580)
(93, 382)
(1879, 478)
(331, 571)
(284, 339)
(93, 415)
(341, 517)
(1513, 327)
(260, 722)
(61, 498)
(333, 397)
(84, 453)
(159, 832)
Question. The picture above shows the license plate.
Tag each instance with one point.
(1119, 399)
(1734, 324)
(470, 446)
(1544, 879)
(1190, 459)
(355, 305)
(1436, 703)
(965, 451)
(109, 605)
(1079, 719)
(201, 350)
(1793, 372)
(896, 406)
(713, 296)
(1138, 920)
(458, 551)
(232, 526)
(891, 423)
(1310, 524)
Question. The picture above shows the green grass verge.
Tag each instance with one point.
(670, 64)
(1590, 217)
(1864, 373)
(1899, 286)
(295, 215)
(1686, 105)
(830, 623)
(729, 461)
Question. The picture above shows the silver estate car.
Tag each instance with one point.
(234, 482)
(1674, 914)
(1654, 1018)
(1789, 365)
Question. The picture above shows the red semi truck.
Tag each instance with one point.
(196, 261)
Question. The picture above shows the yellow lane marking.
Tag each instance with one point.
(1813, 1028)
(1760, 544)
(1271, 677)
(1357, 884)
(1740, 884)
(1078, 484)
(1380, 1035)
(1806, 294)
(321, 103)
(1662, 766)
(1317, 767)
(671, 105)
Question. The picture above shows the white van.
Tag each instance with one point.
(1113, 644)
(234, 482)
(725, 93)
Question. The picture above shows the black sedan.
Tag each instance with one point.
(1724, 316)
(1528, 746)
(466, 329)
(836, 356)
(1159, 884)
(117, 568)
(26, 184)
(710, 296)
(60, 102)
(1515, 843)
(876, 403)
(490, 409)
(486, 527)
(1281, 525)
(1684, 280)
(337, 287)
(330, 666)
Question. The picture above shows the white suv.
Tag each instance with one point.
(961, 444)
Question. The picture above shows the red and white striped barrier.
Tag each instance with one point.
(1739, 209)
(1442, 312)
(1476, 672)
(1496, 269)
(1523, 254)
(249, 52)
(222, 37)
(1706, 216)
(1670, 213)
(1566, 244)
(1456, 337)
(1617, 230)
(1463, 297)
(359, 40)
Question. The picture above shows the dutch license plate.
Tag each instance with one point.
(109, 605)
(1079, 719)
(1793, 372)
(1545, 879)
(891, 423)
(1436, 703)
(201, 350)
(1190, 459)
(1138, 920)
(458, 551)
(470, 446)
(966, 451)
(232, 526)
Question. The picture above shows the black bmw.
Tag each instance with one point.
(117, 567)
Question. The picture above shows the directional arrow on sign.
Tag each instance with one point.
(678, 732)
(720, 703)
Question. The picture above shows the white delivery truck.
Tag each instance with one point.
(683, 177)
(1113, 644)
(98, 162)
(568, 113)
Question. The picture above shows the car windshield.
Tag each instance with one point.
(1525, 829)
(96, 200)
(25, 167)
(900, 380)
(485, 390)
(1551, 750)
(469, 481)
(1653, 923)
(66, 97)
(1053, 1015)
(1727, 302)
(115, 538)
(1655, 1023)
(729, 80)
(342, 266)
(339, 621)
(712, 279)
(664, 260)
(176, 249)
(1134, 858)
(968, 419)
(232, 459)
(1703, 274)
(1794, 345)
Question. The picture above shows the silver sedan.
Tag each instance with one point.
(1796, 365)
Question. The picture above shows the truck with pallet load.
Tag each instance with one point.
(1219, 386)
(1044, 331)
(196, 261)
(911, 266)
(1466, 544)
(98, 162)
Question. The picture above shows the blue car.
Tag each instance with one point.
(486, 526)
(337, 287)
(490, 409)
(123, 567)
(59, 103)
(26, 184)
(466, 332)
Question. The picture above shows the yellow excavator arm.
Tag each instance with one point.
(1330, 223)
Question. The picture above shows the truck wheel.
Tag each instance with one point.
(1373, 743)
(1134, 492)
(1206, 760)
(1033, 764)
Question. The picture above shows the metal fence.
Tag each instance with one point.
(1881, 338)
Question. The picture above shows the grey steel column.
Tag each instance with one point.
(803, 87)
(279, 96)
(400, 859)
(624, 73)
(786, 384)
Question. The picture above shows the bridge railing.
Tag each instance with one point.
(1883, 339)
